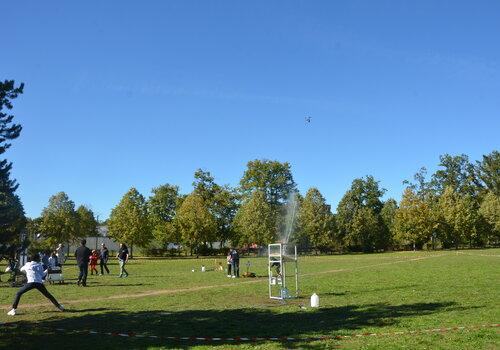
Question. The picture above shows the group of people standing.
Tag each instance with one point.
(233, 263)
(53, 259)
(36, 270)
(85, 257)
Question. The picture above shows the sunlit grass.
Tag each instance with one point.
(359, 293)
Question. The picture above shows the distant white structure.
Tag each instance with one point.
(95, 242)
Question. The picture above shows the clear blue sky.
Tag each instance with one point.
(141, 93)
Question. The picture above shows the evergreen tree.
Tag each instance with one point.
(12, 219)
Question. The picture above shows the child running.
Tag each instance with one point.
(34, 273)
(93, 262)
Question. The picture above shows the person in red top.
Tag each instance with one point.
(93, 262)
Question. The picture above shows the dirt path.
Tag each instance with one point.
(487, 255)
(215, 286)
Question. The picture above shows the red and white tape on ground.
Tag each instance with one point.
(255, 339)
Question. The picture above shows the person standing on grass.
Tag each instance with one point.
(229, 263)
(104, 259)
(122, 259)
(82, 255)
(61, 257)
(235, 258)
(34, 272)
(53, 262)
(93, 262)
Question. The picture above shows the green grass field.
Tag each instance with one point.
(410, 293)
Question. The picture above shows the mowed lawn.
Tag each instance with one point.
(407, 293)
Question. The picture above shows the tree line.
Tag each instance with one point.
(458, 205)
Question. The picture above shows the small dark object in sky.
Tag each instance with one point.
(308, 119)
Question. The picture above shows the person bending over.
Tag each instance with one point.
(34, 273)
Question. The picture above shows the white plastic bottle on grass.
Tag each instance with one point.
(314, 300)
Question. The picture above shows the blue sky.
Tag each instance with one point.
(129, 93)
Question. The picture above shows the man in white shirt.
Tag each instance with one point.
(34, 273)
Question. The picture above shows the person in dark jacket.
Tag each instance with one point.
(104, 259)
(235, 261)
(122, 259)
(82, 255)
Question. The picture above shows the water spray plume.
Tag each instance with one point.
(291, 210)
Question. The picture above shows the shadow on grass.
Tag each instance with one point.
(373, 290)
(215, 323)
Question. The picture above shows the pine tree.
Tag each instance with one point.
(12, 220)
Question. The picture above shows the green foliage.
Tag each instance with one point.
(222, 202)
(128, 222)
(87, 223)
(196, 224)
(162, 207)
(459, 219)
(358, 216)
(359, 294)
(413, 221)
(458, 174)
(8, 130)
(255, 221)
(364, 231)
(315, 222)
(489, 171)
(272, 178)
(388, 214)
(12, 220)
(421, 187)
(59, 220)
(490, 211)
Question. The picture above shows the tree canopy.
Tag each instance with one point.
(59, 220)
(272, 178)
(128, 222)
